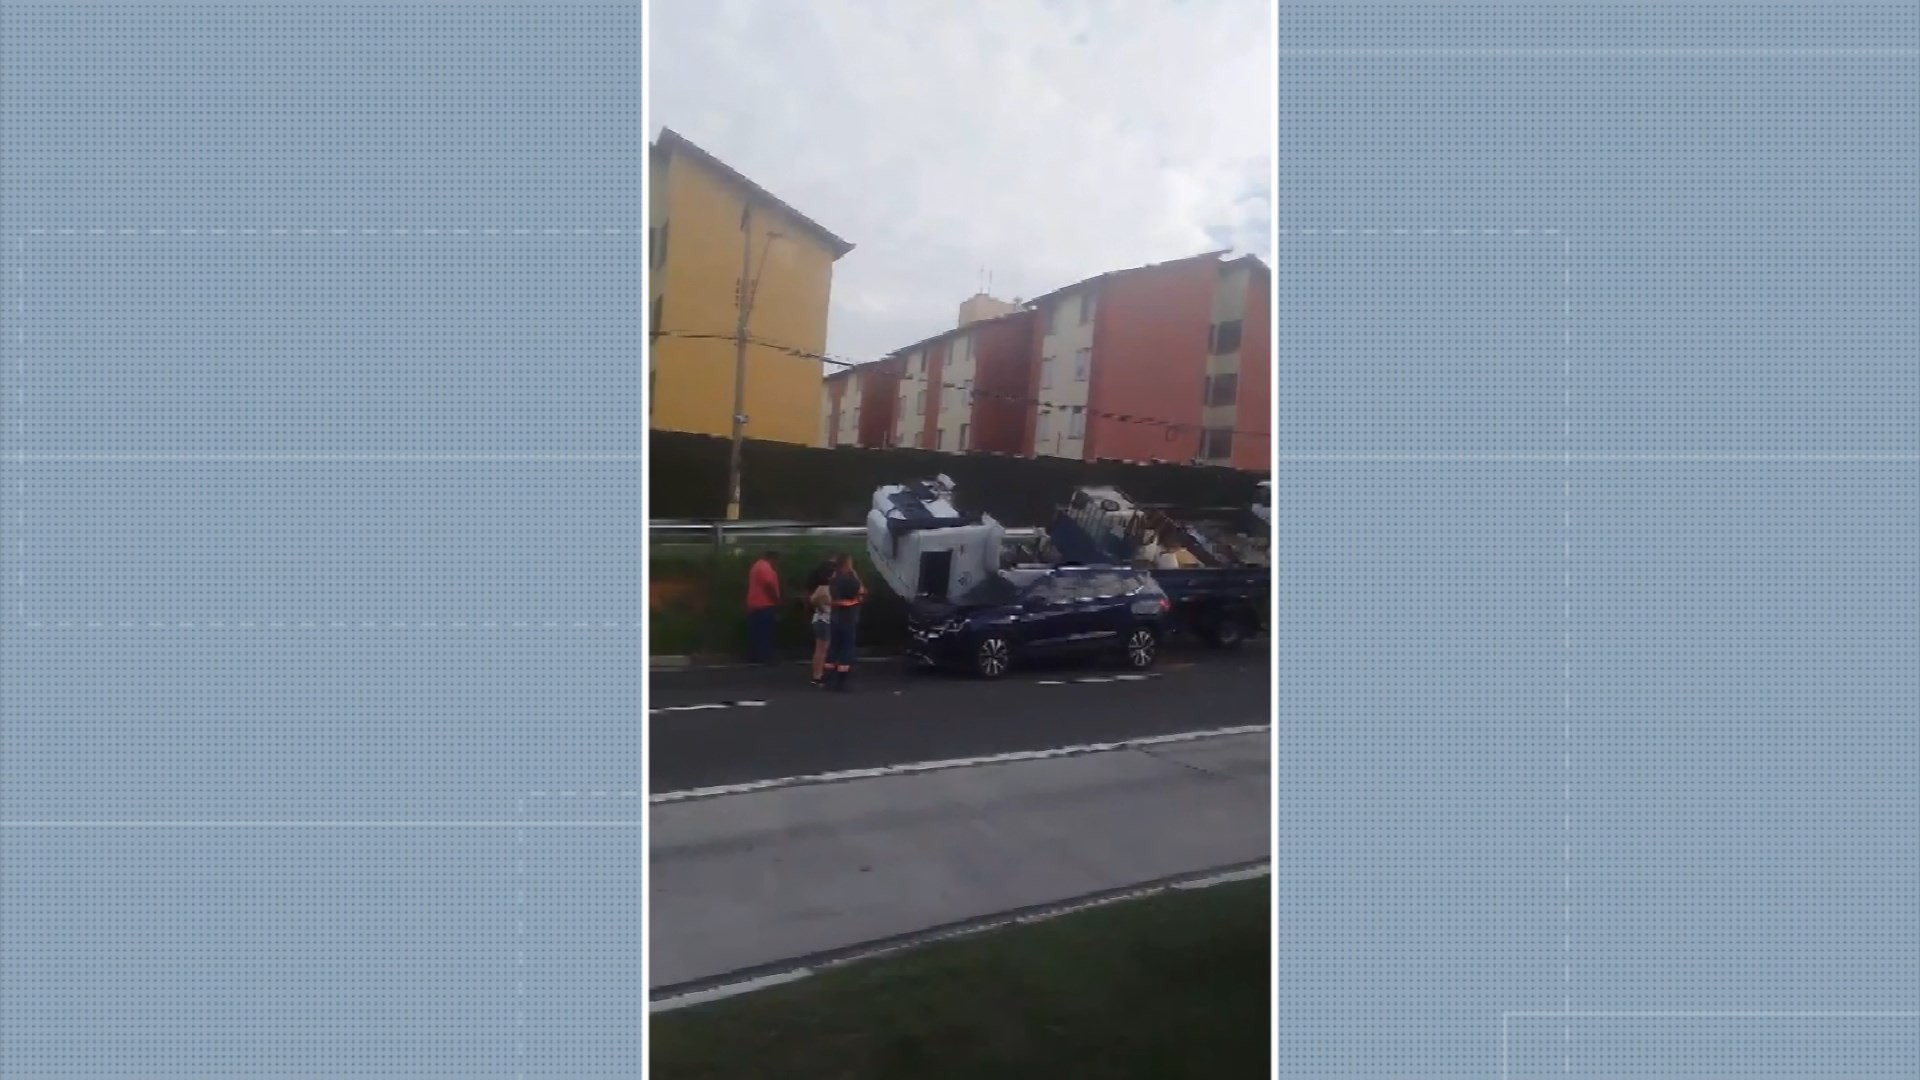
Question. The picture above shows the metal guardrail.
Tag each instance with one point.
(725, 533)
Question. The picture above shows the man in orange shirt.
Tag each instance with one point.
(763, 607)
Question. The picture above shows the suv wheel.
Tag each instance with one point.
(992, 658)
(1142, 647)
(1229, 633)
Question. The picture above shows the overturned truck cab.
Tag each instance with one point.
(927, 547)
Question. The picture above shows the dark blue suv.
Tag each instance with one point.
(1035, 613)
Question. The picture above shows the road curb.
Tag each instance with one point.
(694, 663)
(760, 977)
(665, 663)
(915, 768)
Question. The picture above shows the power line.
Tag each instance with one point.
(1018, 399)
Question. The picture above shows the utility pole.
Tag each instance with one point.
(740, 364)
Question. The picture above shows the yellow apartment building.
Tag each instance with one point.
(701, 215)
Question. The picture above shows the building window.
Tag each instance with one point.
(1082, 365)
(653, 315)
(1053, 318)
(1222, 389)
(1224, 338)
(1040, 426)
(940, 439)
(653, 389)
(920, 403)
(963, 437)
(1086, 307)
(1076, 424)
(1046, 372)
(1216, 444)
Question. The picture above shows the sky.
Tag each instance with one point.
(1042, 140)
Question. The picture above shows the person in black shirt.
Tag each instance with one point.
(846, 593)
(822, 574)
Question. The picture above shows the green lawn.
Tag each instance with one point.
(1174, 985)
(697, 602)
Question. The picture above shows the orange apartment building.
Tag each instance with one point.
(1171, 361)
(859, 404)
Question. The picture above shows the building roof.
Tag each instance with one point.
(1028, 307)
(1097, 278)
(672, 142)
(886, 365)
(1253, 262)
(1023, 311)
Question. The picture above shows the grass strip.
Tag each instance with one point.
(1167, 986)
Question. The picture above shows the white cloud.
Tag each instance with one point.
(1046, 140)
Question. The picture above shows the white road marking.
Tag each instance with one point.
(721, 993)
(910, 768)
(1248, 874)
(93, 824)
(709, 706)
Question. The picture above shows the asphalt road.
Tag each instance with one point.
(700, 736)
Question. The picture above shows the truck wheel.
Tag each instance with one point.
(1228, 634)
(992, 657)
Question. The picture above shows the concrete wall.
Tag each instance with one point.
(954, 425)
(1253, 447)
(927, 424)
(1229, 305)
(689, 474)
(1062, 332)
(918, 402)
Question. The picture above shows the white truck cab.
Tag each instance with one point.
(925, 546)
